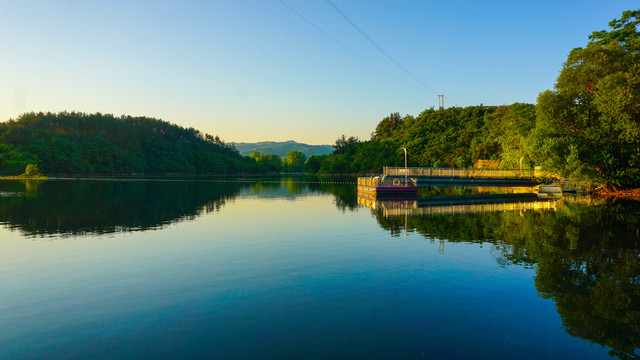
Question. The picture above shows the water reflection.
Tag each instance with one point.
(586, 253)
(71, 208)
(434, 205)
(588, 264)
(97, 207)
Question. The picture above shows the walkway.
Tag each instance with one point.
(459, 173)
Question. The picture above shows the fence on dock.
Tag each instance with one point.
(469, 173)
(378, 181)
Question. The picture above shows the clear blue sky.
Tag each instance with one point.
(250, 70)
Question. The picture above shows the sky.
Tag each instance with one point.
(258, 70)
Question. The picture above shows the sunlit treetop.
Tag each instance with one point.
(625, 31)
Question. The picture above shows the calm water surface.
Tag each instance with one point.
(295, 269)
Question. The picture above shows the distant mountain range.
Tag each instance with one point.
(282, 148)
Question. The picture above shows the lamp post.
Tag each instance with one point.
(405, 166)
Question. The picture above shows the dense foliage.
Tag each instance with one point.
(13, 161)
(78, 143)
(589, 125)
(97, 144)
(294, 161)
(587, 128)
(453, 137)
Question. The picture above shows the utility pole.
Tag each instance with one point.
(405, 166)
(441, 101)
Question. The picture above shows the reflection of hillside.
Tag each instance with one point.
(587, 259)
(588, 262)
(95, 207)
(344, 190)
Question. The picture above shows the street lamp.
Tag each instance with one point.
(405, 166)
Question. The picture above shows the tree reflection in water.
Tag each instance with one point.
(81, 207)
(586, 256)
(587, 259)
(96, 207)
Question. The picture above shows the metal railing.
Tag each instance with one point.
(382, 181)
(469, 173)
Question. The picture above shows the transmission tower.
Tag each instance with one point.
(441, 101)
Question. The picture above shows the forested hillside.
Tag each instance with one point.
(453, 137)
(78, 143)
(281, 148)
(587, 128)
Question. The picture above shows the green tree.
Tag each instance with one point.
(267, 162)
(453, 137)
(346, 145)
(390, 126)
(313, 163)
(78, 143)
(588, 127)
(32, 170)
(295, 161)
(505, 135)
(14, 160)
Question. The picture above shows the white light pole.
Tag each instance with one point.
(405, 166)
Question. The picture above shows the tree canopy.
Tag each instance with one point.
(453, 137)
(588, 127)
(294, 161)
(79, 143)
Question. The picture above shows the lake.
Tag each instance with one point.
(303, 268)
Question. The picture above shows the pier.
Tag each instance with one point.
(382, 186)
(404, 181)
(468, 173)
(463, 177)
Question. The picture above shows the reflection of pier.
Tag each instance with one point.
(435, 205)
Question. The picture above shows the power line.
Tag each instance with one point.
(385, 53)
(338, 42)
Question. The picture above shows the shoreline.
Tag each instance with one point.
(609, 194)
(605, 194)
(24, 177)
